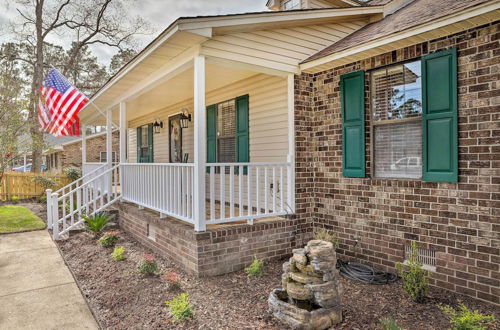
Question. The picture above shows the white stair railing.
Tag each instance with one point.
(71, 186)
(91, 196)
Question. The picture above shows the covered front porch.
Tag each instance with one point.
(232, 162)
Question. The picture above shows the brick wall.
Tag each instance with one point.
(460, 221)
(216, 251)
(72, 154)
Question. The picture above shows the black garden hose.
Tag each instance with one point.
(363, 273)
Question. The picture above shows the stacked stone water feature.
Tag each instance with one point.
(310, 297)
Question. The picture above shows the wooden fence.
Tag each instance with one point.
(24, 185)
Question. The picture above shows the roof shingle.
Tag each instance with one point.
(413, 14)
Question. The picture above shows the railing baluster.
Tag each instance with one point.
(231, 191)
(249, 190)
(275, 190)
(71, 209)
(266, 191)
(222, 192)
(240, 190)
(212, 192)
(257, 189)
(281, 189)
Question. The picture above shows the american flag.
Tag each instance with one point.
(59, 105)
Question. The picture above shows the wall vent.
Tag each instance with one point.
(151, 232)
(425, 256)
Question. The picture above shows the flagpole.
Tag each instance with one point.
(92, 102)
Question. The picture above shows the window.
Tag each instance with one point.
(226, 132)
(396, 93)
(145, 144)
(291, 4)
(103, 158)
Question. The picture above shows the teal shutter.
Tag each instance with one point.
(439, 122)
(150, 143)
(352, 98)
(211, 134)
(242, 130)
(139, 143)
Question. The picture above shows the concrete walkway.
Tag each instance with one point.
(37, 290)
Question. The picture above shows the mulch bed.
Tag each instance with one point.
(121, 298)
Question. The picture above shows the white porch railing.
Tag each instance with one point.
(97, 192)
(166, 188)
(234, 192)
(247, 191)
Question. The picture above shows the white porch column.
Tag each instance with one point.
(109, 137)
(84, 145)
(291, 141)
(200, 143)
(109, 149)
(123, 132)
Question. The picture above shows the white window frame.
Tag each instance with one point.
(374, 123)
(297, 5)
(113, 155)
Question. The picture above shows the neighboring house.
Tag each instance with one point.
(67, 151)
(378, 119)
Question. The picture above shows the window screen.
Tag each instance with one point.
(292, 4)
(397, 124)
(226, 132)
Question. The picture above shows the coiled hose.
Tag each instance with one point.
(363, 273)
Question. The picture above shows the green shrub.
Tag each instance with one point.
(72, 173)
(42, 199)
(109, 239)
(14, 199)
(389, 323)
(97, 222)
(465, 319)
(45, 182)
(147, 265)
(328, 236)
(118, 253)
(415, 279)
(179, 307)
(255, 268)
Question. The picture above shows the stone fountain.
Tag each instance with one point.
(310, 297)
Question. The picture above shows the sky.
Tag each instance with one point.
(160, 13)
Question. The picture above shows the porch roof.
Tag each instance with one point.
(229, 40)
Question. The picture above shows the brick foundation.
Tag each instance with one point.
(460, 221)
(216, 251)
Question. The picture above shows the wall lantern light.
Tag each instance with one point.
(157, 126)
(185, 118)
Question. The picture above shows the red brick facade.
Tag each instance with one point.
(460, 221)
(215, 251)
(72, 154)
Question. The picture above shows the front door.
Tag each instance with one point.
(175, 137)
(145, 144)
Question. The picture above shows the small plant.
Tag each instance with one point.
(97, 222)
(42, 199)
(328, 236)
(45, 182)
(179, 307)
(72, 173)
(14, 199)
(109, 239)
(173, 280)
(118, 253)
(389, 323)
(415, 278)
(255, 268)
(465, 319)
(147, 265)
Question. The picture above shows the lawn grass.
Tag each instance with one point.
(14, 219)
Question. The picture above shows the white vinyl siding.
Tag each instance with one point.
(267, 113)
